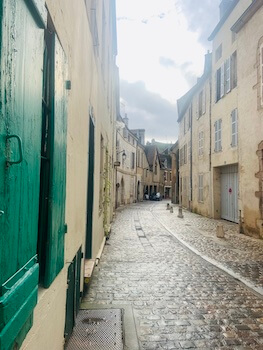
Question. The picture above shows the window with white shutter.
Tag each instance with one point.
(218, 135)
(234, 128)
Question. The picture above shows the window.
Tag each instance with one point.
(201, 143)
(218, 85)
(234, 128)
(183, 155)
(233, 70)
(226, 77)
(227, 70)
(218, 135)
(218, 52)
(200, 188)
(261, 75)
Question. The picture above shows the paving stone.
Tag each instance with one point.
(179, 300)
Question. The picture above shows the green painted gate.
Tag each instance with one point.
(21, 34)
(73, 294)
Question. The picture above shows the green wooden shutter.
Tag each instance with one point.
(20, 141)
(57, 197)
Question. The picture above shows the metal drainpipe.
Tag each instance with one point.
(210, 147)
(191, 157)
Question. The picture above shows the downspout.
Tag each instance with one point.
(210, 147)
(191, 157)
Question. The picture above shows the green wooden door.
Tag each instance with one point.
(21, 45)
(56, 228)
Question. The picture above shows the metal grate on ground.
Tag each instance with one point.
(97, 330)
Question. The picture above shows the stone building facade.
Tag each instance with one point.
(225, 154)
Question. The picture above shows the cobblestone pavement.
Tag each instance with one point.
(236, 253)
(180, 301)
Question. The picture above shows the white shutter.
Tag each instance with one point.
(227, 72)
(234, 128)
(222, 81)
(220, 134)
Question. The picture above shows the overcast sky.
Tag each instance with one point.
(161, 48)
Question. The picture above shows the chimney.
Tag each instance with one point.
(224, 6)
(208, 62)
(126, 120)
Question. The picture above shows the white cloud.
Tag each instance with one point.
(152, 33)
(141, 45)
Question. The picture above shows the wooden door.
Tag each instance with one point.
(21, 45)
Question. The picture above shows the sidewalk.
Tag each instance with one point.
(239, 255)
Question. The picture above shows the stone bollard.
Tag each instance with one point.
(171, 209)
(180, 212)
(220, 231)
(168, 206)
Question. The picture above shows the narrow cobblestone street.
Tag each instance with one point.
(179, 299)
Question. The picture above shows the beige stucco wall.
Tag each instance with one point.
(88, 90)
(222, 109)
(250, 121)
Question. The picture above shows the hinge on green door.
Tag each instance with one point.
(65, 228)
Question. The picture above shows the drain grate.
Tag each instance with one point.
(97, 330)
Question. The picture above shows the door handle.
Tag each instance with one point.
(19, 148)
(1, 213)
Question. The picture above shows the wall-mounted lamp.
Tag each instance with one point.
(123, 154)
(123, 158)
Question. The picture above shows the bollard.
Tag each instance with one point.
(168, 206)
(171, 210)
(220, 231)
(180, 212)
